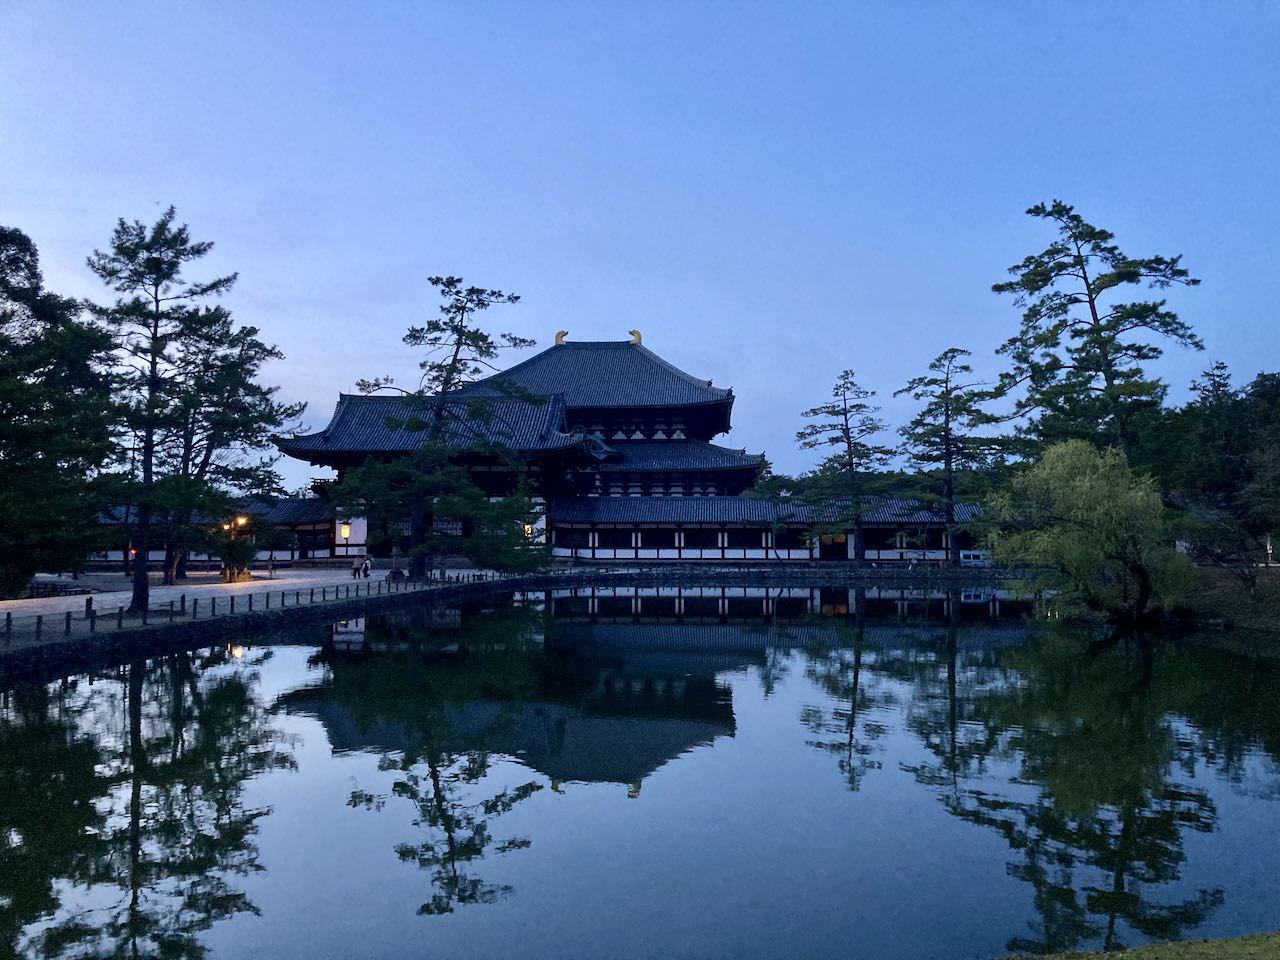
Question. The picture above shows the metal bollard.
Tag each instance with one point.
(195, 607)
(233, 603)
(313, 595)
(171, 611)
(93, 621)
(213, 606)
(251, 601)
(8, 628)
(297, 598)
(39, 624)
(88, 607)
(120, 619)
(66, 630)
(182, 603)
(266, 601)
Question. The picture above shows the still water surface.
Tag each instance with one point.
(501, 782)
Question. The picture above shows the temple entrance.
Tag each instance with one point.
(833, 547)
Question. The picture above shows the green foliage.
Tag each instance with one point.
(427, 502)
(235, 544)
(458, 352)
(1219, 457)
(940, 436)
(55, 411)
(1098, 533)
(845, 427)
(197, 419)
(1076, 362)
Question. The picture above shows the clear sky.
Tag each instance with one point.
(770, 192)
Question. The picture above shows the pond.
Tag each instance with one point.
(604, 774)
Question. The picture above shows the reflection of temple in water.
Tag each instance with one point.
(748, 604)
(572, 710)
(599, 684)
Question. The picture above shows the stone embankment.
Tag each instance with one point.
(43, 644)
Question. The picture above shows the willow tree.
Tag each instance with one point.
(1076, 363)
(429, 492)
(1097, 534)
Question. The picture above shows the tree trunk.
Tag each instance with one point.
(142, 543)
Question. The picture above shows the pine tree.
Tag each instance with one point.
(1076, 363)
(430, 492)
(55, 411)
(196, 417)
(941, 435)
(845, 426)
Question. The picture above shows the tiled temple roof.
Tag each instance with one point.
(292, 511)
(875, 510)
(606, 373)
(360, 425)
(678, 455)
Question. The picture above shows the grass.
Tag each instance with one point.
(1262, 946)
(1222, 604)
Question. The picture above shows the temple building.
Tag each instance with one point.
(595, 418)
(618, 445)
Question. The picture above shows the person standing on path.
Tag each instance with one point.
(355, 568)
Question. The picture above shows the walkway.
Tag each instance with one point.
(26, 623)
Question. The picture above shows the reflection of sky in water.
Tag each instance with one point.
(742, 838)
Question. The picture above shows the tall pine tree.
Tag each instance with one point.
(941, 435)
(196, 417)
(844, 428)
(1076, 364)
(430, 493)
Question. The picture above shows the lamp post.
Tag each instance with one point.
(344, 530)
(231, 529)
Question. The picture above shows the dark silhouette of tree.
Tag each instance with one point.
(55, 416)
(844, 428)
(1076, 362)
(433, 482)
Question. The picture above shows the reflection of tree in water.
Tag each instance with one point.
(1094, 815)
(152, 824)
(844, 729)
(434, 773)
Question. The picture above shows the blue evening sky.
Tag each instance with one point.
(770, 192)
